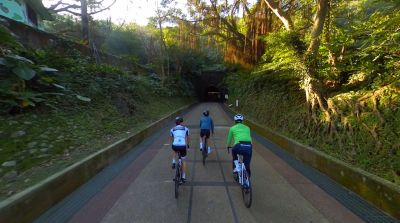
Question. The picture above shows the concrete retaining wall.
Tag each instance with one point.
(31, 203)
(380, 192)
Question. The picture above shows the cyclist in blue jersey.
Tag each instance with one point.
(206, 127)
(180, 142)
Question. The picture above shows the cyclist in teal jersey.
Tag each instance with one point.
(206, 127)
(242, 143)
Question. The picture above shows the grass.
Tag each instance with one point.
(43, 144)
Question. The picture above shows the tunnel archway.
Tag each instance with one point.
(212, 93)
(209, 86)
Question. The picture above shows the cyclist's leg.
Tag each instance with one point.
(235, 152)
(207, 136)
(184, 168)
(247, 153)
(201, 139)
(173, 157)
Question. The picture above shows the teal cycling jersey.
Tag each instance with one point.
(239, 132)
(206, 122)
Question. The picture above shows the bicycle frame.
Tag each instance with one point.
(242, 170)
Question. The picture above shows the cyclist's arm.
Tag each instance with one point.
(171, 137)
(212, 126)
(187, 137)
(228, 141)
(187, 140)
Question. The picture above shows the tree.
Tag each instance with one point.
(80, 8)
(312, 85)
(164, 14)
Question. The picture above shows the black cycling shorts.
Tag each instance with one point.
(181, 149)
(205, 132)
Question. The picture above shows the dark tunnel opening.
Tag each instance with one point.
(212, 93)
(209, 86)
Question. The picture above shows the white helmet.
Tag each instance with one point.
(238, 118)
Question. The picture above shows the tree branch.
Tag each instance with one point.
(103, 9)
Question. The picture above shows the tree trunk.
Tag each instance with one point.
(313, 85)
(84, 21)
(285, 19)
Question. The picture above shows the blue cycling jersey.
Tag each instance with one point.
(207, 123)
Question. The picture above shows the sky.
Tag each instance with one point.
(127, 11)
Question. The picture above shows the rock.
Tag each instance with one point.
(44, 136)
(32, 151)
(27, 123)
(43, 156)
(11, 176)
(60, 137)
(10, 193)
(43, 144)
(44, 150)
(32, 144)
(12, 122)
(18, 134)
(9, 163)
(27, 180)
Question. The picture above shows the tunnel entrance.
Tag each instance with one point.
(209, 86)
(212, 93)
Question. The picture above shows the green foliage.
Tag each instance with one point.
(17, 84)
(65, 26)
(125, 41)
(367, 40)
(358, 68)
(283, 52)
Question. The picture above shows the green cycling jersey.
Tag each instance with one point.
(240, 132)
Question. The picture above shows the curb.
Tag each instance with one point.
(29, 204)
(378, 191)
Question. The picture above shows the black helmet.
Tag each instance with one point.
(206, 113)
(178, 120)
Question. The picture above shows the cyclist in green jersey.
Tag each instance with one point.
(242, 143)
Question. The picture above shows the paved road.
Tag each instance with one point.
(142, 189)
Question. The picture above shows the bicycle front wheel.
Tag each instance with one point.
(246, 191)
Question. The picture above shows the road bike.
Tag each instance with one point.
(178, 174)
(242, 177)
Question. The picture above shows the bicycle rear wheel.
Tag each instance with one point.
(246, 190)
(177, 180)
(204, 151)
